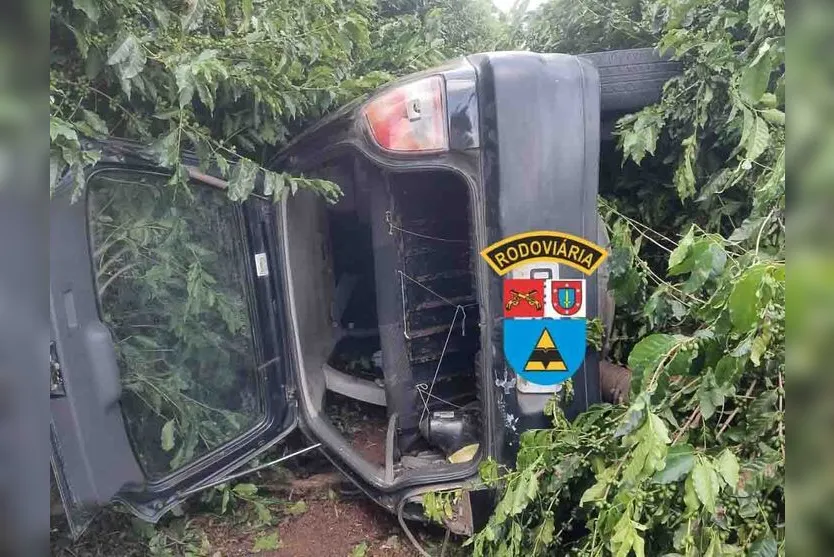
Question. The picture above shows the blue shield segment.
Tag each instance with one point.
(567, 297)
(522, 335)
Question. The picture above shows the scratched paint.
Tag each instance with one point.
(511, 421)
(507, 383)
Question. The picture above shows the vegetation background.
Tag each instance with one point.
(694, 197)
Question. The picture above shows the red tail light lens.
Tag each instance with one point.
(410, 118)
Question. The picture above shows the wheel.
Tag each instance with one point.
(631, 79)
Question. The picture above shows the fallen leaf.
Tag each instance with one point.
(267, 542)
(297, 508)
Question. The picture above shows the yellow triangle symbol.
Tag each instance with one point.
(545, 341)
(545, 355)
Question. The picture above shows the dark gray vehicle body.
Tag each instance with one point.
(524, 135)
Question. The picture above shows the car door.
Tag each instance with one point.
(167, 358)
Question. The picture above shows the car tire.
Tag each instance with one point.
(631, 79)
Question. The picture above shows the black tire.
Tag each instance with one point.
(631, 79)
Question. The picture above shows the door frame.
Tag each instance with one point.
(81, 460)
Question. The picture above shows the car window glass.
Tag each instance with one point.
(172, 291)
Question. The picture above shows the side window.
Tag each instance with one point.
(169, 272)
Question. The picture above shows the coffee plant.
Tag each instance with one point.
(228, 79)
(694, 197)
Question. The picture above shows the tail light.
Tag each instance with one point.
(410, 118)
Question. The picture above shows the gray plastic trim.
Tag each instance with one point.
(352, 386)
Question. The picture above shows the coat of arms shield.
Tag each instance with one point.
(544, 328)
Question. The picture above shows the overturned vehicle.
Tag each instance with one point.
(171, 372)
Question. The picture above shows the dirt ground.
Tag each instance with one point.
(333, 524)
(315, 512)
(369, 440)
(327, 528)
(335, 521)
(363, 425)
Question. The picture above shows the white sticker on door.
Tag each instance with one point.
(261, 267)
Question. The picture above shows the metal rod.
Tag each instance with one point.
(232, 477)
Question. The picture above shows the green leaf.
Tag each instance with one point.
(649, 450)
(267, 542)
(710, 397)
(684, 178)
(167, 149)
(163, 15)
(755, 11)
(274, 184)
(359, 550)
(544, 532)
(705, 481)
(525, 491)
(647, 355)
(626, 537)
(639, 134)
(774, 116)
(225, 501)
(185, 84)
(97, 127)
(681, 363)
(694, 255)
(679, 462)
(89, 7)
(690, 498)
(714, 548)
(727, 466)
(60, 128)
(708, 259)
(246, 8)
(264, 516)
(754, 80)
(769, 100)
(597, 491)
(222, 164)
(193, 16)
(680, 253)
(764, 547)
(242, 181)
(633, 417)
(297, 508)
(758, 348)
(167, 435)
(745, 302)
(488, 470)
(748, 228)
(128, 56)
(245, 490)
(748, 124)
(727, 370)
(759, 139)
(179, 179)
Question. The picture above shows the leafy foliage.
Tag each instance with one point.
(225, 78)
(694, 465)
(172, 293)
(439, 505)
(578, 27)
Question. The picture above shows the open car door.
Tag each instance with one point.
(167, 359)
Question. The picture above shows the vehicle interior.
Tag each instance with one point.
(382, 293)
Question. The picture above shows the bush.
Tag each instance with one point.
(695, 200)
